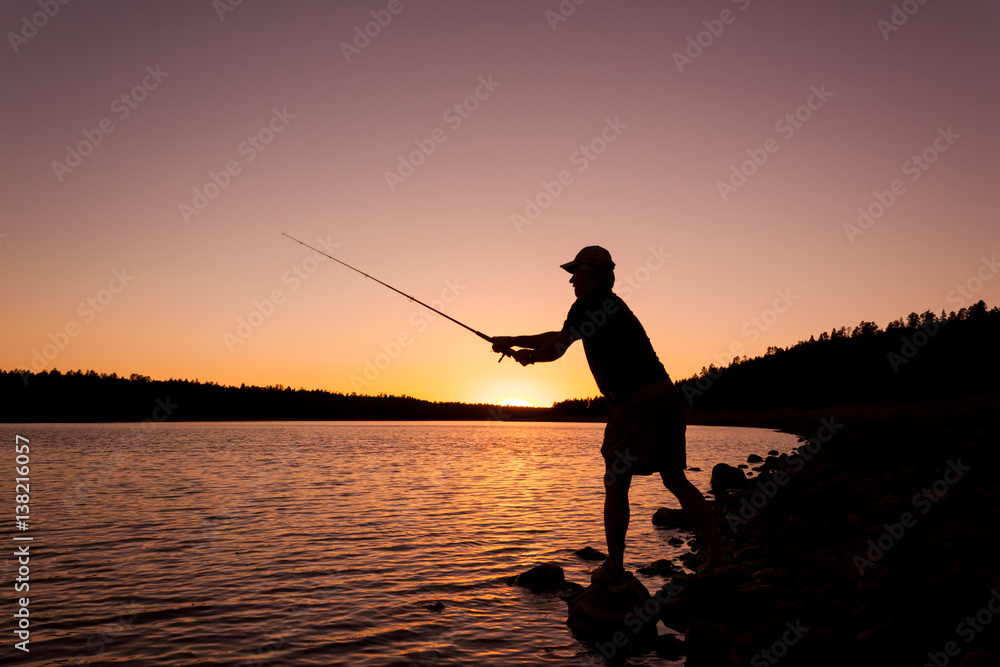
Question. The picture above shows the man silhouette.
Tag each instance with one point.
(646, 422)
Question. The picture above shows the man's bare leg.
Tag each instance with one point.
(616, 517)
(696, 507)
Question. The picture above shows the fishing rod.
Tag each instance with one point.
(506, 352)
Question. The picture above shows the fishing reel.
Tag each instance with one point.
(504, 351)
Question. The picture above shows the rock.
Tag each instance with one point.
(662, 567)
(748, 553)
(434, 606)
(796, 526)
(666, 517)
(602, 610)
(708, 645)
(742, 465)
(669, 647)
(979, 659)
(770, 463)
(695, 469)
(544, 577)
(754, 458)
(773, 452)
(570, 590)
(589, 553)
(690, 560)
(725, 476)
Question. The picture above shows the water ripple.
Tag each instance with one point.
(325, 543)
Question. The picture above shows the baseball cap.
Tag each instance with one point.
(592, 255)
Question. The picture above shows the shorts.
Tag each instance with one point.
(645, 432)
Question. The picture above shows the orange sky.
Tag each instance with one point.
(155, 152)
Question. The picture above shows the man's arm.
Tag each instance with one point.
(547, 346)
(529, 342)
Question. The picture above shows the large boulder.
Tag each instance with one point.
(725, 476)
(602, 611)
(667, 517)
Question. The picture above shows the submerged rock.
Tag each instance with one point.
(590, 553)
(544, 577)
(662, 567)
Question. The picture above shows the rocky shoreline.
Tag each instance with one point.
(871, 544)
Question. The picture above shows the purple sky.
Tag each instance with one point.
(420, 157)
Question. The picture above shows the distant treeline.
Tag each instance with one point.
(88, 396)
(922, 356)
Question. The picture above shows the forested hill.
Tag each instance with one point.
(923, 356)
(78, 396)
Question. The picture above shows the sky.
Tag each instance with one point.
(760, 172)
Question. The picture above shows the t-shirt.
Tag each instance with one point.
(617, 347)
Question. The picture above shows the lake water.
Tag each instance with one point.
(322, 543)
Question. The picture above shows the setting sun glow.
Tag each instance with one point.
(517, 402)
